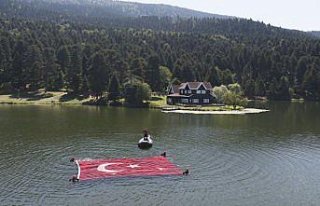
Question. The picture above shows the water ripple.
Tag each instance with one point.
(237, 166)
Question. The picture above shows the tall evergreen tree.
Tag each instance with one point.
(97, 75)
(214, 76)
(114, 88)
(153, 72)
(64, 58)
(51, 74)
(74, 73)
(283, 90)
(18, 73)
(138, 67)
(259, 88)
(33, 65)
(311, 83)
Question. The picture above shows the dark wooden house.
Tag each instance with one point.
(194, 93)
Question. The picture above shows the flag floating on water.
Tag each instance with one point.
(126, 167)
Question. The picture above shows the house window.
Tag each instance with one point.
(198, 91)
(196, 101)
(203, 91)
(189, 91)
(169, 100)
(185, 101)
(206, 101)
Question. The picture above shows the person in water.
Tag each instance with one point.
(186, 172)
(145, 134)
(164, 154)
(74, 179)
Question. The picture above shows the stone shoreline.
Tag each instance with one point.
(233, 112)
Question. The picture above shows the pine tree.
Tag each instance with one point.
(311, 83)
(301, 68)
(227, 77)
(114, 88)
(97, 75)
(64, 58)
(2, 67)
(214, 76)
(18, 74)
(283, 89)
(33, 65)
(138, 67)
(153, 72)
(51, 75)
(187, 73)
(74, 73)
(249, 88)
(259, 88)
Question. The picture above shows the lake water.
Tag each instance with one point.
(259, 159)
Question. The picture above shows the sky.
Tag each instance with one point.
(292, 14)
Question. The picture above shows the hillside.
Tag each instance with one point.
(116, 14)
(106, 8)
(315, 33)
(44, 47)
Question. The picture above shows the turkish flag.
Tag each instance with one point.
(126, 167)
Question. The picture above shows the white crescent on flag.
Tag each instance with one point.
(103, 168)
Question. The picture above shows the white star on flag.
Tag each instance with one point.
(133, 166)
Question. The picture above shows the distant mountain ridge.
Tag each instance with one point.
(119, 14)
(315, 33)
(128, 9)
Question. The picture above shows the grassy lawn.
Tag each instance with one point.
(158, 102)
(43, 98)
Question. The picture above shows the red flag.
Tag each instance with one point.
(150, 166)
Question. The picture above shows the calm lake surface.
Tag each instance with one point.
(260, 159)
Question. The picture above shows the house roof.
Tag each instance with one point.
(196, 85)
(175, 88)
(187, 96)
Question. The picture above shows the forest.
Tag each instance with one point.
(98, 54)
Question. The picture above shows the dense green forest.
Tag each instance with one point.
(86, 53)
